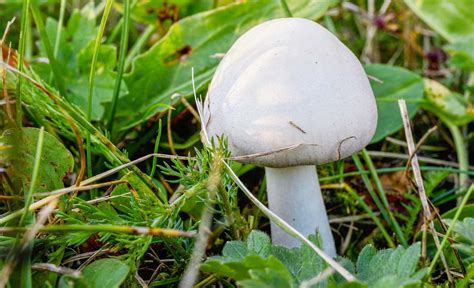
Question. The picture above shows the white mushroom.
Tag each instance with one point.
(290, 83)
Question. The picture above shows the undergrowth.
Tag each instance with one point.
(105, 181)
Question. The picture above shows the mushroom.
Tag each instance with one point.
(289, 95)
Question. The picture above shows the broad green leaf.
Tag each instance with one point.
(258, 243)
(450, 106)
(194, 42)
(268, 277)
(390, 85)
(465, 239)
(452, 19)
(390, 266)
(149, 11)
(462, 54)
(258, 263)
(56, 160)
(75, 58)
(236, 250)
(105, 273)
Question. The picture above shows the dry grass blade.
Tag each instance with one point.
(419, 180)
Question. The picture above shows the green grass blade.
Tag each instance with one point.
(155, 150)
(57, 74)
(21, 59)
(450, 229)
(373, 172)
(121, 64)
(34, 176)
(103, 21)
(369, 187)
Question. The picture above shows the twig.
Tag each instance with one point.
(419, 181)
(56, 269)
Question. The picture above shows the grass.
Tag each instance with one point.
(182, 202)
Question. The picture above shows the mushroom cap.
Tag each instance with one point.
(290, 86)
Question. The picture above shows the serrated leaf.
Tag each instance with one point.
(56, 160)
(392, 84)
(364, 260)
(258, 243)
(408, 261)
(390, 267)
(453, 19)
(235, 250)
(268, 277)
(193, 42)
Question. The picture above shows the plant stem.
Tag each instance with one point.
(104, 228)
(121, 64)
(294, 194)
(213, 182)
(155, 149)
(395, 226)
(224, 195)
(461, 152)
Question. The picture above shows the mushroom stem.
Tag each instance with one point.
(294, 195)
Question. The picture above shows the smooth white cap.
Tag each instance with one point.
(287, 82)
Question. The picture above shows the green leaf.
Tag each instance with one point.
(56, 160)
(450, 106)
(392, 84)
(452, 19)
(257, 263)
(465, 239)
(148, 11)
(391, 267)
(165, 69)
(462, 54)
(105, 273)
(235, 250)
(258, 243)
(75, 57)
